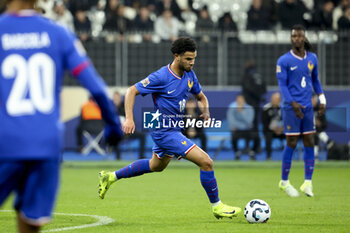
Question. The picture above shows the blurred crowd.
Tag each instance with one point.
(145, 20)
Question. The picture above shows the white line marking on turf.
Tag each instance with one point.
(101, 220)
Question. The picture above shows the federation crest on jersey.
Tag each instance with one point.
(190, 84)
(145, 82)
(278, 69)
(310, 65)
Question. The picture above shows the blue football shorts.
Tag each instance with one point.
(34, 184)
(294, 126)
(172, 143)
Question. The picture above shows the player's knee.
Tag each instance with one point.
(292, 142)
(158, 168)
(309, 142)
(207, 164)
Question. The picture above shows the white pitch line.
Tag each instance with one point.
(101, 220)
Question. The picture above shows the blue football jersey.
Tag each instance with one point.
(299, 75)
(169, 91)
(34, 52)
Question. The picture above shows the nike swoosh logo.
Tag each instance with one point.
(229, 212)
(293, 68)
(169, 92)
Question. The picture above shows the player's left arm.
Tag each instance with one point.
(202, 100)
(203, 105)
(77, 61)
(318, 89)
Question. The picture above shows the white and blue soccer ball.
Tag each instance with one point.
(257, 211)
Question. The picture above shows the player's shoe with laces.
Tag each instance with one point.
(222, 210)
(106, 180)
(289, 189)
(307, 189)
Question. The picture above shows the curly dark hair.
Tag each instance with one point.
(307, 44)
(182, 45)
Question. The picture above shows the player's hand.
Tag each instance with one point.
(322, 109)
(113, 134)
(205, 116)
(297, 109)
(129, 126)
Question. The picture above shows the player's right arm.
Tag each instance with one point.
(129, 125)
(152, 84)
(282, 75)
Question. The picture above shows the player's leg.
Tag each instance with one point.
(292, 128)
(137, 168)
(36, 196)
(208, 181)
(287, 156)
(309, 151)
(309, 164)
(12, 174)
(23, 227)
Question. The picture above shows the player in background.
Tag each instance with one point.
(34, 52)
(170, 87)
(297, 75)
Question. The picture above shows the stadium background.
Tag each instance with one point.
(219, 65)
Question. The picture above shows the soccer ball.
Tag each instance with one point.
(257, 211)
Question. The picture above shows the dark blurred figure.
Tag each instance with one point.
(90, 121)
(291, 12)
(111, 15)
(321, 126)
(192, 112)
(2, 8)
(322, 18)
(271, 7)
(119, 104)
(137, 4)
(117, 22)
(258, 17)
(344, 20)
(171, 5)
(338, 12)
(82, 5)
(204, 24)
(253, 90)
(272, 122)
(226, 23)
(82, 25)
(167, 27)
(144, 24)
(240, 116)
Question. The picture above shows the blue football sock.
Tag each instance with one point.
(309, 162)
(137, 168)
(208, 181)
(286, 162)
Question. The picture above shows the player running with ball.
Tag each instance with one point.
(170, 87)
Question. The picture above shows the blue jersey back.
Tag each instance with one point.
(169, 91)
(300, 75)
(34, 52)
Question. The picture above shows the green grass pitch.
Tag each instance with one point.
(174, 201)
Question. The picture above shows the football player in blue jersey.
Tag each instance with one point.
(297, 73)
(34, 52)
(170, 87)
